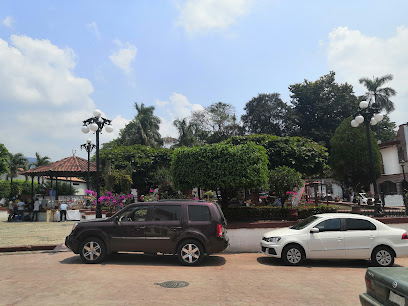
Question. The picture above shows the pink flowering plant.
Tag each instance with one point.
(152, 196)
(111, 201)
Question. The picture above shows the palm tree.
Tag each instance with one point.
(40, 161)
(186, 132)
(14, 162)
(381, 95)
(143, 129)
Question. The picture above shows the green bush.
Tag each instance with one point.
(272, 213)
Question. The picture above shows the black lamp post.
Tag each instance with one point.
(96, 124)
(369, 113)
(88, 146)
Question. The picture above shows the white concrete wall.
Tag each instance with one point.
(390, 160)
(394, 200)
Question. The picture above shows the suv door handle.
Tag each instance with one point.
(177, 228)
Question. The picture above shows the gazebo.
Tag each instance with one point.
(72, 166)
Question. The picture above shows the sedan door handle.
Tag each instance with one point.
(177, 228)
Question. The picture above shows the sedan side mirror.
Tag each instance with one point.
(314, 230)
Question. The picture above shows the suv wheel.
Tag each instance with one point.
(382, 257)
(190, 253)
(92, 250)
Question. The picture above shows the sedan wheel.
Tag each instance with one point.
(383, 257)
(93, 250)
(190, 253)
(293, 255)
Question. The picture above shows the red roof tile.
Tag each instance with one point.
(72, 164)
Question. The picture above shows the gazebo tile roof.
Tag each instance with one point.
(70, 164)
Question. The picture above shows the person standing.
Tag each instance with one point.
(36, 209)
(12, 212)
(63, 211)
(21, 206)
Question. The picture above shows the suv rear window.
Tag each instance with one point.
(199, 213)
(167, 213)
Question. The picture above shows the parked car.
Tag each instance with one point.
(190, 229)
(337, 236)
(386, 286)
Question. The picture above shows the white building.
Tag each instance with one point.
(394, 159)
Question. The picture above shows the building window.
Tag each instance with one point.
(388, 188)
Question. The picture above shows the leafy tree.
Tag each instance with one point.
(62, 188)
(267, 114)
(380, 94)
(4, 154)
(283, 179)
(40, 161)
(303, 155)
(349, 157)
(385, 130)
(220, 167)
(14, 162)
(319, 107)
(141, 161)
(215, 123)
(143, 129)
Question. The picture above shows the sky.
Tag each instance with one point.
(61, 60)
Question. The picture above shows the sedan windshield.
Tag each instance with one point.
(302, 224)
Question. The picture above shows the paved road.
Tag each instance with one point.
(50, 278)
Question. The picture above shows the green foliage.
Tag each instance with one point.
(349, 158)
(379, 96)
(319, 107)
(283, 179)
(385, 130)
(62, 188)
(222, 167)
(118, 181)
(20, 187)
(301, 154)
(272, 213)
(141, 161)
(4, 154)
(267, 114)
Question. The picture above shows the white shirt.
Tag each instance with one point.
(36, 206)
(63, 206)
(20, 205)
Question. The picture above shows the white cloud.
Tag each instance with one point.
(44, 100)
(93, 28)
(353, 55)
(204, 15)
(177, 108)
(124, 57)
(9, 21)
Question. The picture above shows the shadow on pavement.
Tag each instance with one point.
(143, 259)
(316, 263)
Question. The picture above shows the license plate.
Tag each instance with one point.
(397, 299)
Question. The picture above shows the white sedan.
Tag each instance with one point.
(337, 236)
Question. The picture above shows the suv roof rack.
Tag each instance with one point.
(180, 200)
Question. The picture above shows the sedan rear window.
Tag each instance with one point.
(199, 213)
(359, 225)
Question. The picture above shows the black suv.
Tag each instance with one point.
(189, 229)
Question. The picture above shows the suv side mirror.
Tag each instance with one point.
(314, 230)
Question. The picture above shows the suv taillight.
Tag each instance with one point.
(404, 236)
(219, 230)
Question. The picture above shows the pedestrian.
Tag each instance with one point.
(63, 211)
(21, 206)
(12, 212)
(36, 209)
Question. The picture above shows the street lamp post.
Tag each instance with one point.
(88, 146)
(96, 124)
(369, 113)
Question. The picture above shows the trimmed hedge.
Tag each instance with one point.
(272, 213)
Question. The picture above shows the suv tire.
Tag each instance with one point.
(92, 250)
(190, 252)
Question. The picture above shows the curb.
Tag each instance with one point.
(25, 248)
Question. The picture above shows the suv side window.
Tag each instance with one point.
(329, 225)
(167, 213)
(199, 213)
(136, 213)
(359, 225)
